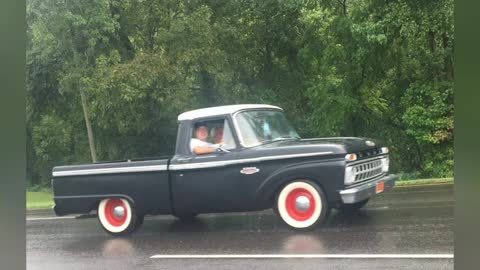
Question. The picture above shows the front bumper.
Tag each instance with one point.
(367, 189)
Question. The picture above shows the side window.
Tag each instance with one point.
(213, 133)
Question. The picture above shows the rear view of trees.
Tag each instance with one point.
(374, 68)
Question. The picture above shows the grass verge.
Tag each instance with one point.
(421, 182)
(39, 199)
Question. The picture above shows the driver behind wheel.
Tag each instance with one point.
(199, 145)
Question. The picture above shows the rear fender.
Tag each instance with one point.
(83, 204)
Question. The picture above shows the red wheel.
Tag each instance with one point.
(302, 204)
(117, 216)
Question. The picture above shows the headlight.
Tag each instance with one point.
(349, 176)
(351, 157)
(385, 150)
(385, 164)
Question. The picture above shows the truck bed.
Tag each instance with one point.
(79, 188)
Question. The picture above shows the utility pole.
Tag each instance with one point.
(91, 141)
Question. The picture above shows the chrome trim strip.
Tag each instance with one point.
(199, 165)
(151, 168)
(330, 138)
(212, 164)
(94, 196)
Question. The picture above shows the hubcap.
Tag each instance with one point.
(302, 203)
(119, 211)
(116, 212)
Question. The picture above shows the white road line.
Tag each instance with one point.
(49, 218)
(383, 208)
(304, 256)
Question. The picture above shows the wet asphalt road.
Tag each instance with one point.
(416, 220)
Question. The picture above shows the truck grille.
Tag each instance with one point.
(367, 170)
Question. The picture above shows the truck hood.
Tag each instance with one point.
(336, 145)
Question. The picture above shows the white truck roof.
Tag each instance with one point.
(221, 110)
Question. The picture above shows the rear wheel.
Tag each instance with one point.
(117, 216)
(302, 204)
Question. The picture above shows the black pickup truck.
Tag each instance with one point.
(258, 162)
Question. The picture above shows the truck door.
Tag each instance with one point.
(203, 183)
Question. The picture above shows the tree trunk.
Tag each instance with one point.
(343, 3)
(448, 58)
(431, 41)
(91, 141)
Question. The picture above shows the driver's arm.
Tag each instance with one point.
(201, 150)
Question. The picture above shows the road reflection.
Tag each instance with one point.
(118, 248)
(355, 218)
(302, 244)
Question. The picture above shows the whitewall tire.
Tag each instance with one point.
(302, 204)
(117, 216)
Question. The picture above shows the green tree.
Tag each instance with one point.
(372, 68)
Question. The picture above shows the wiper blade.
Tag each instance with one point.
(286, 138)
(283, 138)
(266, 142)
(279, 139)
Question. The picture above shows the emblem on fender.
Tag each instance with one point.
(369, 143)
(249, 170)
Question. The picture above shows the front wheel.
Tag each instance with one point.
(302, 205)
(117, 216)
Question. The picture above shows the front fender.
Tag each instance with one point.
(328, 174)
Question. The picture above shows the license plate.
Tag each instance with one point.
(380, 187)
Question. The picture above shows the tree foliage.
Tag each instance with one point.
(373, 68)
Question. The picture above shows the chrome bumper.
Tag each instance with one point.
(367, 189)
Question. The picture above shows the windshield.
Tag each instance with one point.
(260, 127)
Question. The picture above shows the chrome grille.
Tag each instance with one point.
(367, 170)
